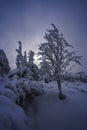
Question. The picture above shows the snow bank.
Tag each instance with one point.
(12, 117)
(13, 92)
(17, 88)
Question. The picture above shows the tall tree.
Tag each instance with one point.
(56, 51)
(4, 64)
(32, 66)
(45, 71)
(20, 59)
(25, 57)
(31, 59)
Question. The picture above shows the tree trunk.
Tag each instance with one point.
(61, 96)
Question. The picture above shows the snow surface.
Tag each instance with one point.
(12, 117)
(47, 112)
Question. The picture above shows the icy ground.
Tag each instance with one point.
(47, 112)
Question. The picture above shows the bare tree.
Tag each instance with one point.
(56, 51)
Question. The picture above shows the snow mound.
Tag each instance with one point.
(12, 117)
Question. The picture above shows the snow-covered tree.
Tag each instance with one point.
(31, 59)
(56, 51)
(26, 64)
(32, 66)
(20, 60)
(45, 71)
(25, 57)
(4, 65)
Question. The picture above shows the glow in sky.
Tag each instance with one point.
(27, 21)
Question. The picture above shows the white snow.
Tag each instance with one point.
(12, 117)
(47, 112)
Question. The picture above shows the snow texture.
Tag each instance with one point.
(12, 116)
(47, 112)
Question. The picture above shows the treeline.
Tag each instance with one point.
(80, 76)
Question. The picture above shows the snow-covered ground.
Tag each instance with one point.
(12, 116)
(47, 112)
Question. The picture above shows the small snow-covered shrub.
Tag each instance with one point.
(36, 87)
(20, 89)
(21, 72)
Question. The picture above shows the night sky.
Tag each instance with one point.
(27, 21)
